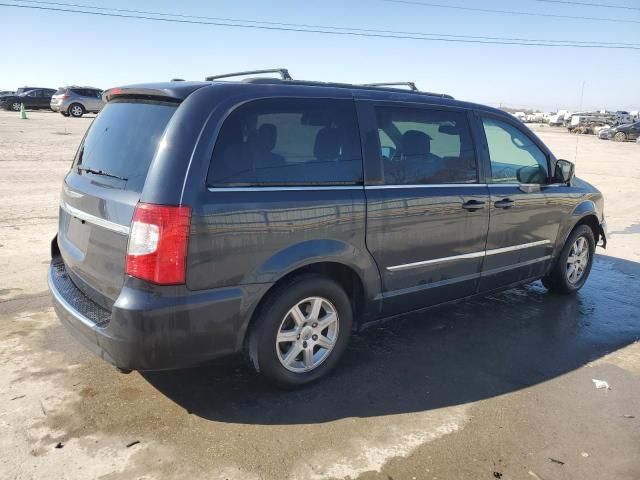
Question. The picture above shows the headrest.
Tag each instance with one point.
(266, 137)
(327, 146)
(415, 143)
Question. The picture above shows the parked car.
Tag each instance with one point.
(274, 217)
(76, 101)
(33, 99)
(4, 93)
(605, 133)
(22, 90)
(622, 133)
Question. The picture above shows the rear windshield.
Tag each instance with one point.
(124, 138)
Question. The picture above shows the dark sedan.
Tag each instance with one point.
(33, 99)
(622, 133)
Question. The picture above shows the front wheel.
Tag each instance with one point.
(572, 269)
(620, 137)
(15, 106)
(301, 331)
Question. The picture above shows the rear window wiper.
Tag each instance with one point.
(100, 172)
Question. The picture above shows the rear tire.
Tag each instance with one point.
(573, 266)
(301, 331)
(75, 110)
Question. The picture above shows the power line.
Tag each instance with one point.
(443, 38)
(587, 4)
(326, 27)
(512, 12)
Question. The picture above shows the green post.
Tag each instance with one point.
(23, 112)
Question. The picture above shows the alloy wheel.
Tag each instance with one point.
(76, 110)
(578, 260)
(307, 334)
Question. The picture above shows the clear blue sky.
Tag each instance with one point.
(54, 49)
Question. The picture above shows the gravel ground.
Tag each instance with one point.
(495, 388)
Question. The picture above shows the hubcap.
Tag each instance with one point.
(307, 334)
(16, 106)
(578, 260)
(76, 111)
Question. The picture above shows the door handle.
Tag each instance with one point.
(473, 205)
(504, 203)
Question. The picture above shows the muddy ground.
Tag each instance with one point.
(495, 388)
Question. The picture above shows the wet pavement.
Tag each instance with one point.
(443, 357)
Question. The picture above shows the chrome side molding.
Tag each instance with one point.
(483, 253)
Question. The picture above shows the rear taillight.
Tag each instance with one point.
(158, 241)
(64, 97)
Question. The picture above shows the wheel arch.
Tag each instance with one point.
(591, 220)
(584, 214)
(342, 273)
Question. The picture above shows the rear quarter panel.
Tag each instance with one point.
(254, 236)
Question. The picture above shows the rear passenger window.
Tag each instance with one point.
(288, 142)
(420, 146)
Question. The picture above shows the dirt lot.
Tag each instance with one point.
(496, 388)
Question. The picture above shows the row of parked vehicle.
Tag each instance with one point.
(70, 101)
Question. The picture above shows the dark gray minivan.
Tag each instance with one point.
(274, 217)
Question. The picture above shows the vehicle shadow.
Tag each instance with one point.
(442, 357)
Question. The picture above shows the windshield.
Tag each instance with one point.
(123, 140)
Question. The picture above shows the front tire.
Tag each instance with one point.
(75, 110)
(620, 137)
(573, 266)
(15, 106)
(301, 331)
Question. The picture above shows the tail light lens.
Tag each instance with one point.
(158, 241)
(64, 97)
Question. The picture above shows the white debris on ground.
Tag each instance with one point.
(600, 384)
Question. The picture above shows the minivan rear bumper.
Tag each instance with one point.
(153, 328)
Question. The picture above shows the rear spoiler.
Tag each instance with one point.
(142, 93)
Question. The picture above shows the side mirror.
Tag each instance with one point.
(564, 171)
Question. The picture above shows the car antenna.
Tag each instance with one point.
(575, 155)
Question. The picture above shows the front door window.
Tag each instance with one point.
(514, 156)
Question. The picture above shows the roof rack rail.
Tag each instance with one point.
(411, 85)
(284, 74)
